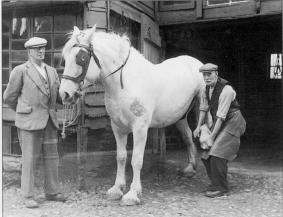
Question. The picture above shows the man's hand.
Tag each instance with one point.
(197, 132)
(209, 141)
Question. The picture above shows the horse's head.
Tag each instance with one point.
(81, 54)
(78, 59)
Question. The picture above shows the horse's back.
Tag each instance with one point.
(181, 70)
(179, 81)
(183, 60)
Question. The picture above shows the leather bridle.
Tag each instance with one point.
(83, 59)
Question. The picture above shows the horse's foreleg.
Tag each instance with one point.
(139, 135)
(116, 192)
(183, 127)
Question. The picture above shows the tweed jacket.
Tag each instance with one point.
(33, 101)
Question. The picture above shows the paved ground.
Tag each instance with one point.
(255, 179)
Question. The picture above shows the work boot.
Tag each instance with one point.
(56, 197)
(30, 203)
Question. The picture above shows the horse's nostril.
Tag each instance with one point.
(66, 95)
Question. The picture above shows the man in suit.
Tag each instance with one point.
(219, 98)
(32, 92)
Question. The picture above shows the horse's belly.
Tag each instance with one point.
(174, 101)
(170, 114)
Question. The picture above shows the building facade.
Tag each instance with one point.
(244, 37)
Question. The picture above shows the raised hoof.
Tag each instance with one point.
(114, 194)
(189, 171)
(126, 201)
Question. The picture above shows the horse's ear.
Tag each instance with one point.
(91, 32)
(76, 31)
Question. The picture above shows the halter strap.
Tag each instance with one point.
(120, 68)
(81, 77)
(90, 50)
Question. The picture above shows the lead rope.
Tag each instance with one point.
(70, 115)
(69, 118)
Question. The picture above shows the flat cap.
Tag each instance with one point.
(35, 42)
(208, 67)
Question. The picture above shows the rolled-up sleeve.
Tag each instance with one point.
(227, 95)
(203, 101)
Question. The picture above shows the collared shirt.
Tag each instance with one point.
(227, 95)
(41, 69)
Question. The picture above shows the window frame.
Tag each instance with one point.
(230, 3)
(270, 66)
(174, 7)
(8, 16)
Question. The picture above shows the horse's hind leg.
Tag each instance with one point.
(115, 192)
(183, 127)
(140, 136)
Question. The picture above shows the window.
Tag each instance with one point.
(176, 5)
(5, 51)
(220, 2)
(276, 66)
(122, 24)
(16, 31)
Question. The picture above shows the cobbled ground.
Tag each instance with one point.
(255, 191)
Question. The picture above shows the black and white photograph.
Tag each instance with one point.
(141, 108)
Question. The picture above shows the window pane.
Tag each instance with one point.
(59, 41)
(5, 25)
(21, 56)
(5, 60)
(47, 37)
(275, 66)
(64, 22)
(5, 42)
(57, 60)
(5, 76)
(18, 45)
(47, 58)
(20, 27)
(42, 24)
(214, 2)
(169, 3)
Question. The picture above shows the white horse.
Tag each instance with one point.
(138, 95)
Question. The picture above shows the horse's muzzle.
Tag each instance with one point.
(67, 99)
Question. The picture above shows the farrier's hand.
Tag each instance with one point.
(209, 141)
(197, 132)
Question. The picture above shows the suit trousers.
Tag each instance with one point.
(36, 143)
(217, 169)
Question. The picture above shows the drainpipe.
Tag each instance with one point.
(257, 6)
(108, 15)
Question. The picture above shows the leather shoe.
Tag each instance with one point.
(213, 194)
(56, 197)
(30, 203)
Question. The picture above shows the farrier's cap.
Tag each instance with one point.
(208, 67)
(35, 42)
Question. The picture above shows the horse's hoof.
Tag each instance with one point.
(130, 201)
(189, 171)
(114, 194)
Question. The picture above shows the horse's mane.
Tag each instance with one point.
(107, 42)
